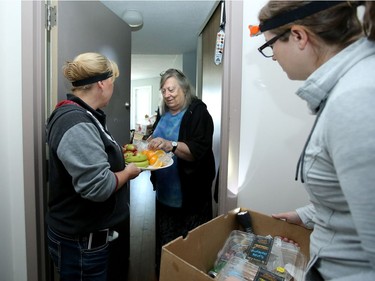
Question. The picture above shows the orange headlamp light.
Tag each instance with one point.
(254, 30)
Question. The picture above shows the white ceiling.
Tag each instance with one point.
(170, 28)
(148, 66)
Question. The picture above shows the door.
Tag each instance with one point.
(212, 83)
(89, 26)
(221, 91)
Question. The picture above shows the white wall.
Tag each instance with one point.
(12, 218)
(274, 126)
(154, 83)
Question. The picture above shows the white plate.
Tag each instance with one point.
(151, 168)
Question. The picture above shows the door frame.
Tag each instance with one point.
(231, 107)
(230, 104)
(33, 118)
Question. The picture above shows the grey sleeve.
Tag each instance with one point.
(81, 150)
(307, 214)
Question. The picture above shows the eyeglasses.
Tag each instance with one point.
(267, 48)
(172, 71)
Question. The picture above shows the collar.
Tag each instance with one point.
(318, 86)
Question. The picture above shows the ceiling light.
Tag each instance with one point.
(133, 18)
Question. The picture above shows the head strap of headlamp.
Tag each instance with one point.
(92, 79)
(297, 14)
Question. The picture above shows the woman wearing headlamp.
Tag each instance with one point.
(88, 198)
(325, 44)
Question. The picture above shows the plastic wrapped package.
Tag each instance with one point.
(286, 260)
(236, 245)
(267, 255)
(238, 269)
(141, 144)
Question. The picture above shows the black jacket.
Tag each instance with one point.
(196, 131)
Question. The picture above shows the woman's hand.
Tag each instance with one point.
(160, 143)
(291, 217)
(132, 171)
(182, 150)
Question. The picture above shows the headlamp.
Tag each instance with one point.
(291, 16)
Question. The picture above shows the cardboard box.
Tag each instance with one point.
(190, 258)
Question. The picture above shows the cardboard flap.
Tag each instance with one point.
(267, 225)
(207, 240)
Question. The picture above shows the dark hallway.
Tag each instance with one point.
(142, 236)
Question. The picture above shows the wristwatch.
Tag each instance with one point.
(174, 144)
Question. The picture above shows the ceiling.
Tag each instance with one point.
(170, 28)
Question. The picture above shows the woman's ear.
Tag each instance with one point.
(100, 84)
(299, 35)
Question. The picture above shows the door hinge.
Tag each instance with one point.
(50, 16)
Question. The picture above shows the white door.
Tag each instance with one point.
(141, 100)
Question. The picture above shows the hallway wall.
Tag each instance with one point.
(12, 218)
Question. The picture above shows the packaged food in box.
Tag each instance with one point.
(192, 257)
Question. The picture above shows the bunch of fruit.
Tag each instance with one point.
(143, 158)
(154, 157)
(132, 155)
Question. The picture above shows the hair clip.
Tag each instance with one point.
(254, 30)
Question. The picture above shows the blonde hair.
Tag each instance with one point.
(88, 65)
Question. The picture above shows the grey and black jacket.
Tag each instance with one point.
(83, 157)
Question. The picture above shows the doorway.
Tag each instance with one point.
(141, 98)
(35, 108)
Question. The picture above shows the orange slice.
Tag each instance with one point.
(159, 153)
(157, 164)
(153, 159)
(148, 153)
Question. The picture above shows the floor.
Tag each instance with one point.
(142, 236)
